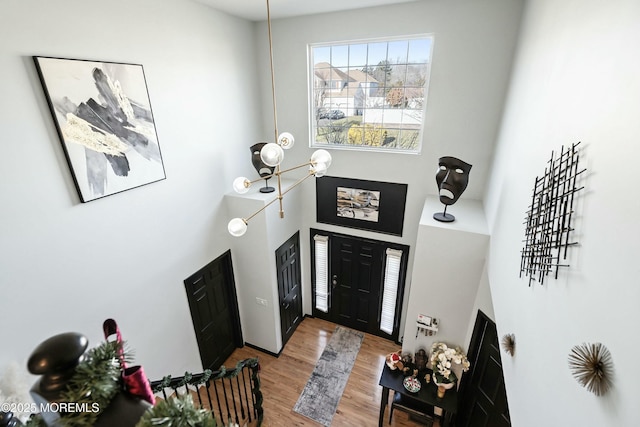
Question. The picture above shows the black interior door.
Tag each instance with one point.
(483, 398)
(214, 311)
(289, 287)
(356, 282)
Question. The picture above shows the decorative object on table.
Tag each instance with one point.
(421, 359)
(412, 384)
(592, 366)
(452, 179)
(408, 367)
(509, 344)
(393, 359)
(262, 168)
(442, 388)
(133, 377)
(427, 325)
(442, 359)
(366, 205)
(103, 117)
(331, 373)
(427, 378)
(548, 217)
(272, 155)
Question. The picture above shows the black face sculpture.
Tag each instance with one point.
(452, 179)
(263, 170)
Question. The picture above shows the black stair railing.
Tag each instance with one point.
(232, 395)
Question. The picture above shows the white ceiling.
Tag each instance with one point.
(256, 10)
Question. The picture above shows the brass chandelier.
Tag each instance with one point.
(272, 155)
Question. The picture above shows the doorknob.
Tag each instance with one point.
(334, 281)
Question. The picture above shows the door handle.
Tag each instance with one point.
(334, 281)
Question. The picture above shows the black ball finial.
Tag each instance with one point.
(56, 358)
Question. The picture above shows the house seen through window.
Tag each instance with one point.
(371, 94)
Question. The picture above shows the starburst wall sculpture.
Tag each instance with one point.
(592, 366)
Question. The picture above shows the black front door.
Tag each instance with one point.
(351, 271)
(356, 278)
(483, 398)
(214, 310)
(289, 290)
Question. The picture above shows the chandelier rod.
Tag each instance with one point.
(280, 197)
(282, 171)
(275, 109)
(273, 80)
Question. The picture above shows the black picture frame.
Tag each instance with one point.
(102, 113)
(371, 205)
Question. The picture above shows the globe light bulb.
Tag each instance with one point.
(286, 140)
(241, 185)
(321, 156)
(237, 227)
(319, 169)
(271, 154)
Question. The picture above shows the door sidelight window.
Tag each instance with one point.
(321, 244)
(390, 292)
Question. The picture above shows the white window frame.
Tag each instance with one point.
(370, 122)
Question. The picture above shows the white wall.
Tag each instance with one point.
(67, 266)
(254, 259)
(473, 52)
(446, 280)
(576, 78)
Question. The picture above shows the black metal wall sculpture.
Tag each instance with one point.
(548, 219)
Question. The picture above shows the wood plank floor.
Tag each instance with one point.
(283, 379)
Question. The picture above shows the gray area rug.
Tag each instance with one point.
(323, 391)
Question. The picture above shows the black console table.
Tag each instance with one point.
(392, 380)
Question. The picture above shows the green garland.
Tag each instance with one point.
(96, 381)
(170, 415)
(176, 412)
(187, 378)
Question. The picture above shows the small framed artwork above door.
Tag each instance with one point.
(358, 282)
(367, 205)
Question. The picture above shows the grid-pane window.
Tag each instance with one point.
(369, 95)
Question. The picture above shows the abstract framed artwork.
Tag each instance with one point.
(103, 116)
(367, 205)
